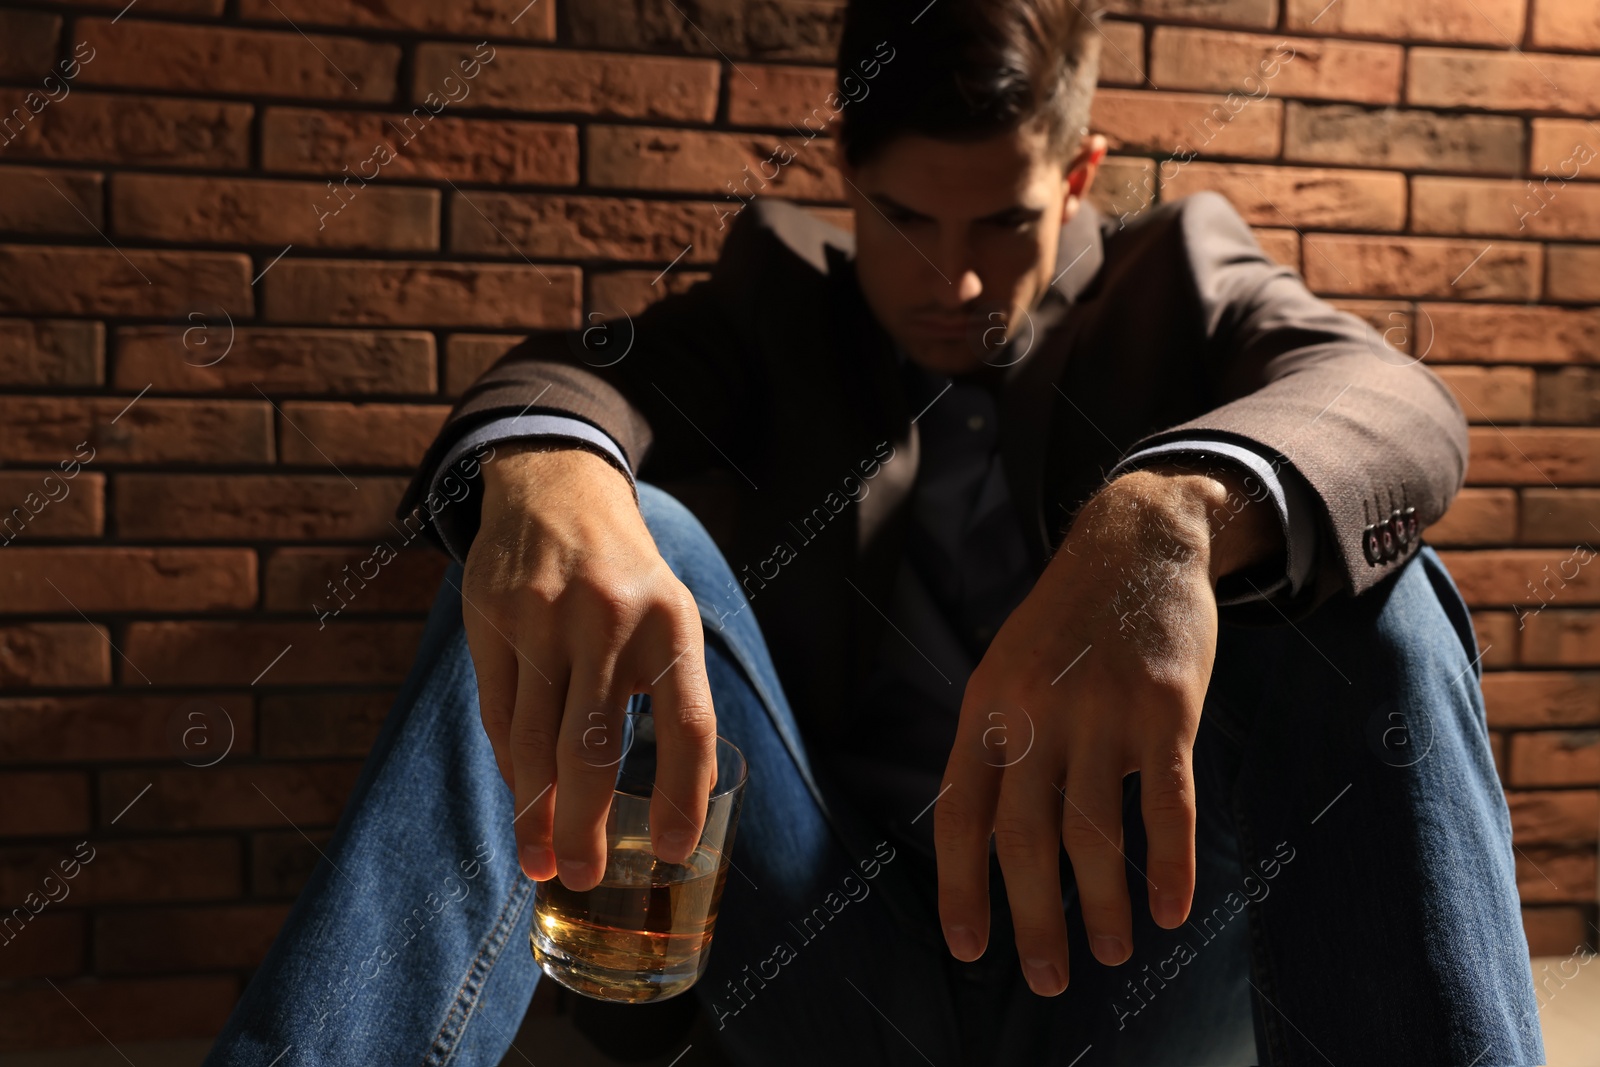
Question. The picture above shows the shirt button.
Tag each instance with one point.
(974, 422)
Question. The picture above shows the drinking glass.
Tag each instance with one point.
(644, 932)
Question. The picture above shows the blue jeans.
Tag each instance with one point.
(1356, 899)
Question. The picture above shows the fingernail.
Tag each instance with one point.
(535, 860)
(963, 942)
(572, 871)
(1110, 950)
(1043, 977)
(677, 841)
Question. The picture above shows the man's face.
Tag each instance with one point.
(956, 241)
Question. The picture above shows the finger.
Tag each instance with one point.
(1091, 830)
(686, 736)
(532, 740)
(1027, 829)
(963, 820)
(587, 757)
(1167, 802)
(494, 662)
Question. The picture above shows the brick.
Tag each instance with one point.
(143, 1009)
(1568, 395)
(1491, 394)
(35, 803)
(43, 580)
(117, 128)
(51, 352)
(632, 291)
(468, 355)
(1555, 874)
(1303, 197)
(1504, 208)
(1421, 266)
(497, 18)
(1207, 124)
(1549, 816)
(1264, 65)
(1123, 186)
(707, 161)
(50, 945)
(1524, 576)
(212, 357)
(1554, 931)
(281, 862)
(1559, 637)
(1552, 757)
(650, 88)
(31, 42)
(1559, 516)
(266, 795)
(232, 653)
(1565, 148)
(172, 57)
(588, 227)
(422, 146)
(1477, 517)
(91, 281)
(1572, 273)
(1497, 638)
(778, 30)
(127, 870)
(1497, 752)
(1261, 13)
(157, 940)
(35, 200)
(1565, 24)
(297, 580)
(776, 95)
(1509, 333)
(320, 433)
(165, 207)
(66, 507)
(44, 655)
(203, 507)
(1542, 698)
(1503, 80)
(1121, 53)
(1523, 455)
(191, 726)
(320, 725)
(129, 430)
(363, 293)
(1347, 135)
(1491, 22)
(204, 8)
(1281, 246)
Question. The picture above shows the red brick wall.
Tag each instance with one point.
(218, 371)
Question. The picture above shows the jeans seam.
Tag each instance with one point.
(471, 989)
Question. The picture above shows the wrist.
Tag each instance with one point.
(1230, 529)
(529, 474)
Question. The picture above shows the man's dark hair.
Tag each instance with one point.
(958, 70)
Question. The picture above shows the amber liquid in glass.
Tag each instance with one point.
(642, 934)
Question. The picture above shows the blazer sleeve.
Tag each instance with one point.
(1375, 435)
(671, 385)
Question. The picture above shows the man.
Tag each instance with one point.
(1063, 587)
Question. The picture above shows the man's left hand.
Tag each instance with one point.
(1100, 672)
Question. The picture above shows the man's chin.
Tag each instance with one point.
(948, 357)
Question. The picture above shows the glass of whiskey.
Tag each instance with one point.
(643, 933)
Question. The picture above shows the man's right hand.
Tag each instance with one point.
(569, 610)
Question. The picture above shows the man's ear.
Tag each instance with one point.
(1085, 165)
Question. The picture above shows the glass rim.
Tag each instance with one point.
(716, 794)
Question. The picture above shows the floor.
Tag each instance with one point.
(1568, 989)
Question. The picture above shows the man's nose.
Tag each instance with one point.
(962, 284)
